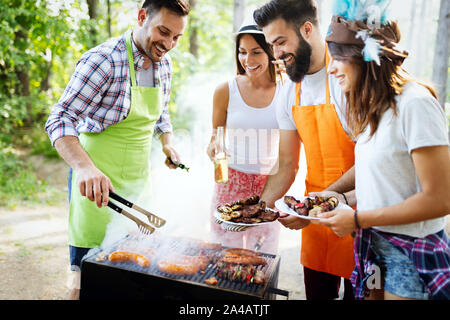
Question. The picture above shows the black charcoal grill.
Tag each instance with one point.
(102, 279)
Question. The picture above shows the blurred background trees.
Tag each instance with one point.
(41, 41)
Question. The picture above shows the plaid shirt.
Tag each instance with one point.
(98, 93)
(430, 256)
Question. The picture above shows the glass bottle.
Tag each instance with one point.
(220, 159)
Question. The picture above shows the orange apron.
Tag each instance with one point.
(329, 154)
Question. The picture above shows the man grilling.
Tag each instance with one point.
(103, 125)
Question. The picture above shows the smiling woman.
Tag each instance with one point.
(245, 105)
(402, 150)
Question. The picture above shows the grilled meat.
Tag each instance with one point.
(311, 206)
(269, 215)
(249, 211)
(240, 273)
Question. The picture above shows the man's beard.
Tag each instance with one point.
(302, 60)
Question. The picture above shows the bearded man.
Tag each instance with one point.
(311, 111)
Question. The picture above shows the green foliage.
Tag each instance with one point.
(40, 43)
(18, 182)
(29, 39)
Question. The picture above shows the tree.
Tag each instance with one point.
(193, 29)
(108, 18)
(441, 54)
(412, 32)
(29, 37)
(93, 14)
(238, 14)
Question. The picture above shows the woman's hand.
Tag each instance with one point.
(341, 222)
(212, 149)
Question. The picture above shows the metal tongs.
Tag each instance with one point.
(144, 228)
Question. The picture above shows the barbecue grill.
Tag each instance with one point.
(102, 279)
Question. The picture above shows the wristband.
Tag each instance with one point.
(346, 201)
(355, 215)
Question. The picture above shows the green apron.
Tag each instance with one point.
(122, 153)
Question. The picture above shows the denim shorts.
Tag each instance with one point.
(76, 255)
(400, 276)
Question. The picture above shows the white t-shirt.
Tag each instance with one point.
(384, 169)
(313, 92)
(252, 133)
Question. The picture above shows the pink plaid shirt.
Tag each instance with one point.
(98, 93)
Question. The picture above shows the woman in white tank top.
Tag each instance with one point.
(245, 106)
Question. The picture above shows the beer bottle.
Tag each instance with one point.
(220, 159)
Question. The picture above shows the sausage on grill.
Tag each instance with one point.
(242, 256)
(182, 265)
(124, 256)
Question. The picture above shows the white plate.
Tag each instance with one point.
(283, 207)
(237, 226)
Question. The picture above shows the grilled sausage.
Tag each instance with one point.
(245, 260)
(124, 256)
(177, 269)
(239, 251)
(182, 265)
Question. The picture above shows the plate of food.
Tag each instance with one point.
(308, 207)
(243, 214)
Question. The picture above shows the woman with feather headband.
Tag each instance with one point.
(402, 161)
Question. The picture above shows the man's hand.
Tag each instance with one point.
(170, 153)
(327, 194)
(94, 185)
(293, 223)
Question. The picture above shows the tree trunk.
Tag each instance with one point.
(23, 87)
(108, 17)
(441, 54)
(92, 10)
(411, 34)
(422, 40)
(238, 14)
(45, 82)
(193, 30)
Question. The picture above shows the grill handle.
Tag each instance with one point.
(279, 292)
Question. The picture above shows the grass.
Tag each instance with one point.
(20, 185)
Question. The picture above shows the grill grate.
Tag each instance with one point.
(91, 267)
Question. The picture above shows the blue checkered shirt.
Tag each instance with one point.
(98, 93)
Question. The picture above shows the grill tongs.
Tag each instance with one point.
(144, 228)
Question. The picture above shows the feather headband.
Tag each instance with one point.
(364, 24)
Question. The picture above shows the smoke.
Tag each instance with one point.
(182, 198)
